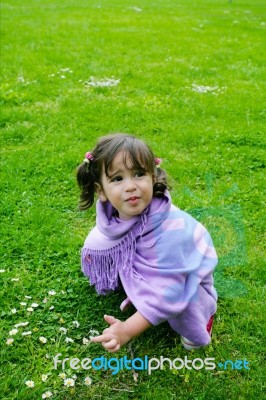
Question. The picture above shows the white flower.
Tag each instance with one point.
(15, 279)
(69, 382)
(47, 355)
(9, 341)
(23, 303)
(44, 377)
(62, 329)
(66, 70)
(85, 341)
(93, 333)
(30, 309)
(28, 297)
(52, 292)
(51, 308)
(106, 82)
(21, 324)
(2, 270)
(34, 305)
(69, 340)
(47, 395)
(30, 384)
(42, 339)
(62, 375)
(14, 310)
(26, 333)
(207, 89)
(76, 324)
(137, 9)
(44, 300)
(74, 376)
(87, 381)
(13, 332)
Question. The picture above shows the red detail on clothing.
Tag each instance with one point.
(209, 325)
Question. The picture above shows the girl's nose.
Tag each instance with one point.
(130, 185)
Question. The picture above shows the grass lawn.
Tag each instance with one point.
(188, 77)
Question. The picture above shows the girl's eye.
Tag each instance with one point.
(116, 179)
(140, 173)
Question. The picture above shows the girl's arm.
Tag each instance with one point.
(121, 332)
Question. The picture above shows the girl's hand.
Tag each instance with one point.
(115, 336)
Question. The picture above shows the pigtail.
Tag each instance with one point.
(86, 182)
(161, 183)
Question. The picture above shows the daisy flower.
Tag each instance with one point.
(52, 292)
(28, 297)
(87, 381)
(47, 395)
(9, 341)
(85, 341)
(34, 305)
(21, 324)
(30, 384)
(23, 303)
(14, 310)
(69, 340)
(30, 309)
(69, 382)
(15, 279)
(93, 333)
(76, 324)
(2, 270)
(62, 375)
(62, 329)
(44, 377)
(42, 339)
(26, 333)
(13, 332)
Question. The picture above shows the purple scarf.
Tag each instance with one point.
(111, 245)
(164, 259)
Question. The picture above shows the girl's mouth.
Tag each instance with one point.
(133, 199)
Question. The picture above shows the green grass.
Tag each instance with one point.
(213, 146)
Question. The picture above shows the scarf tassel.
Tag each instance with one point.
(102, 266)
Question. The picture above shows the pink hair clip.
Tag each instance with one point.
(88, 157)
(157, 161)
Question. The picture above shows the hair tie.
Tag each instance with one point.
(88, 157)
(157, 162)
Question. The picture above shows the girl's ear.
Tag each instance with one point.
(100, 192)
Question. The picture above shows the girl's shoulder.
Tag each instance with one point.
(96, 240)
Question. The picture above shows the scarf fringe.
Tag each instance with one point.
(102, 266)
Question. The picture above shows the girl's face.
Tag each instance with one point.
(129, 191)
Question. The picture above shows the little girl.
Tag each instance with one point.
(163, 257)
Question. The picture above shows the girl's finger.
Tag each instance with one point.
(102, 338)
(114, 349)
(112, 344)
(110, 319)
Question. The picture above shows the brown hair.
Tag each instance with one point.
(103, 154)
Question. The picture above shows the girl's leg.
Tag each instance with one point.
(188, 345)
